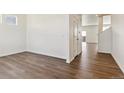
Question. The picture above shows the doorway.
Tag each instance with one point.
(77, 40)
(83, 38)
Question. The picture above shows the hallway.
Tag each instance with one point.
(97, 65)
(89, 65)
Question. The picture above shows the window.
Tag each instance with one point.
(11, 20)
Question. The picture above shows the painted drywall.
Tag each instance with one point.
(91, 33)
(118, 39)
(43, 34)
(89, 19)
(13, 37)
(107, 19)
(105, 41)
(48, 34)
(90, 25)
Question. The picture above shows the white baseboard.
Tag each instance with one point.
(20, 51)
(121, 67)
(46, 54)
(107, 52)
(69, 60)
(7, 54)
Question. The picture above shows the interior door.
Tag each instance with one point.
(75, 40)
(79, 42)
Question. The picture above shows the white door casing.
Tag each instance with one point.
(75, 40)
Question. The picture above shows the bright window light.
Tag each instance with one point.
(83, 33)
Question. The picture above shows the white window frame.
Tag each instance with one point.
(11, 23)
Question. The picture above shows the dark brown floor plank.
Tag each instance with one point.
(88, 65)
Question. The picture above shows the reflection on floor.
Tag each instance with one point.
(87, 65)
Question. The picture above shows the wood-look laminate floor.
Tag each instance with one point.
(89, 65)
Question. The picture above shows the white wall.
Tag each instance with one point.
(13, 38)
(107, 19)
(90, 25)
(91, 33)
(48, 34)
(118, 39)
(105, 41)
(43, 34)
(89, 19)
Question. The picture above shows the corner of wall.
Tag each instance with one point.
(118, 63)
